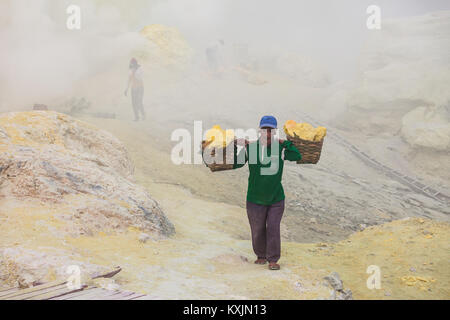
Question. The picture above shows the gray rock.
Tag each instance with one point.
(344, 295)
(335, 281)
(339, 293)
(63, 156)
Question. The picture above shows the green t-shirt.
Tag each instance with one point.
(266, 170)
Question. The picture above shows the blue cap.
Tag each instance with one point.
(268, 121)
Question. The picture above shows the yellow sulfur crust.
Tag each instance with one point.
(216, 137)
(304, 131)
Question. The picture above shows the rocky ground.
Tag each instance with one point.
(210, 255)
(63, 177)
(325, 202)
(100, 193)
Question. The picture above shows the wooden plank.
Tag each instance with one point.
(109, 274)
(107, 295)
(9, 291)
(32, 289)
(95, 296)
(144, 297)
(123, 295)
(84, 296)
(134, 296)
(92, 293)
(24, 296)
(73, 294)
(55, 293)
(117, 295)
(148, 297)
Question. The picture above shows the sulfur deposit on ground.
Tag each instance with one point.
(401, 248)
(413, 256)
(210, 255)
(165, 46)
(62, 177)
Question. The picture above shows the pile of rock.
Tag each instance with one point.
(62, 178)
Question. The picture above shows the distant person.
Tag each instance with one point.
(214, 57)
(265, 194)
(40, 107)
(135, 80)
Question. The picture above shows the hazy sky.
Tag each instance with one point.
(328, 30)
(36, 42)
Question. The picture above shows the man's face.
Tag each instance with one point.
(265, 135)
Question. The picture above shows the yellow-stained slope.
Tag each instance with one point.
(210, 257)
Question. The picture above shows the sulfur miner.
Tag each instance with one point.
(265, 199)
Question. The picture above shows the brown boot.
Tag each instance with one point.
(260, 261)
(274, 266)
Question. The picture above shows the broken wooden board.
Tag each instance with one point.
(59, 290)
(54, 291)
(32, 290)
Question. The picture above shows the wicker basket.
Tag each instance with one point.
(310, 150)
(228, 157)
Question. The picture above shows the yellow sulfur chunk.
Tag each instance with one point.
(216, 137)
(168, 47)
(213, 132)
(229, 136)
(321, 132)
(289, 127)
(304, 131)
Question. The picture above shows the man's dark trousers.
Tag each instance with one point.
(265, 226)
